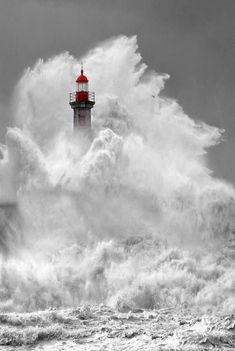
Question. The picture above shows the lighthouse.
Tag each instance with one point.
(82, 101)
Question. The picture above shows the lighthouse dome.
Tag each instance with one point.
(82, 78)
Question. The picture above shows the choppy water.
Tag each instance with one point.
(102, 328)
(130, 223)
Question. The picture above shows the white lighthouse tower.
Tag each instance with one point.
(82, 101)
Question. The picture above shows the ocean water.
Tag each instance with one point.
(123, 240)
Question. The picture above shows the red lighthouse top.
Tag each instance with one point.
(82, 78)
(82, 95)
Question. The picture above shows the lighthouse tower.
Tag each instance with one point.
(82, 101)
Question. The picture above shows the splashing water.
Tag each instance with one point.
(133, 219)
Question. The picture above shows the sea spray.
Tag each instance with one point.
(134, 220)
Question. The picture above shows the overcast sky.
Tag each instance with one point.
(192, 40)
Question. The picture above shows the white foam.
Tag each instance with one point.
(133, 219)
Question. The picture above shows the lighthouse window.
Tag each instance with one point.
(82, 86)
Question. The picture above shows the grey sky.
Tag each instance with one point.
(192, 40)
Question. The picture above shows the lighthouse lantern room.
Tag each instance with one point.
(82, 101)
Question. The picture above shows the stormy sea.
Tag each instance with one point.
(123, 240)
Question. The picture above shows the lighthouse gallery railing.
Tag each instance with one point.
(72, 96)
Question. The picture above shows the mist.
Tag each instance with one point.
(131, 218)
